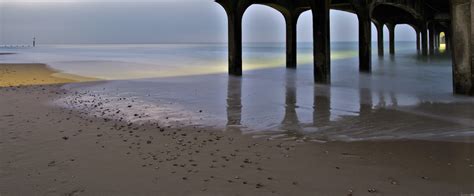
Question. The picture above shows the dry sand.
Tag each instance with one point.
(34, 74)
(46, 150)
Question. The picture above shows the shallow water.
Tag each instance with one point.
(119, 61)
(406, 96)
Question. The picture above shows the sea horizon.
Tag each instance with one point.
(164, 43)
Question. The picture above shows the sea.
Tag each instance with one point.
(405, 97)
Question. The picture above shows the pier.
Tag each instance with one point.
(429, 18)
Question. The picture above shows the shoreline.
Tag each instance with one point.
(52, 150)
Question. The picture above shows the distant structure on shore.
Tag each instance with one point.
(431, 19)
(20, 45)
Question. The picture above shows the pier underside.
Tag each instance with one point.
(427, 17)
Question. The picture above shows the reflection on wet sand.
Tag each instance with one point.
(347, 115)
(321, 107)
(290, 121)
(365, 102)
(234, 101)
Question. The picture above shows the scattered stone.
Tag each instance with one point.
(350, 192)
(393, 181)
(372, 190)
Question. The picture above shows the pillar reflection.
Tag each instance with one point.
(290, 120)
(366, 102)
(234, 101)
(321, 106)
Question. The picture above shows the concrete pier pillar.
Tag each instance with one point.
(432, 38)
(291, 40)
(235, 44)
(391, 30)
(235, 10)
(418, 39)
(448, 41)
(437, 40)
(440, 41)
(424, 39)
(380, 41)
(462, 12)
(365, 39)
(321, 41)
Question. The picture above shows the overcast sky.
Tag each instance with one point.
(155, 21)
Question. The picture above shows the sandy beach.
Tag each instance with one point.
(48, 150)
(34, 74)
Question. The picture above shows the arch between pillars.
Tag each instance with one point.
(291, 17)
(262, 23)
(392, 29)
(442, 41)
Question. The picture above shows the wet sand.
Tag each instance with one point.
(50, 150)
